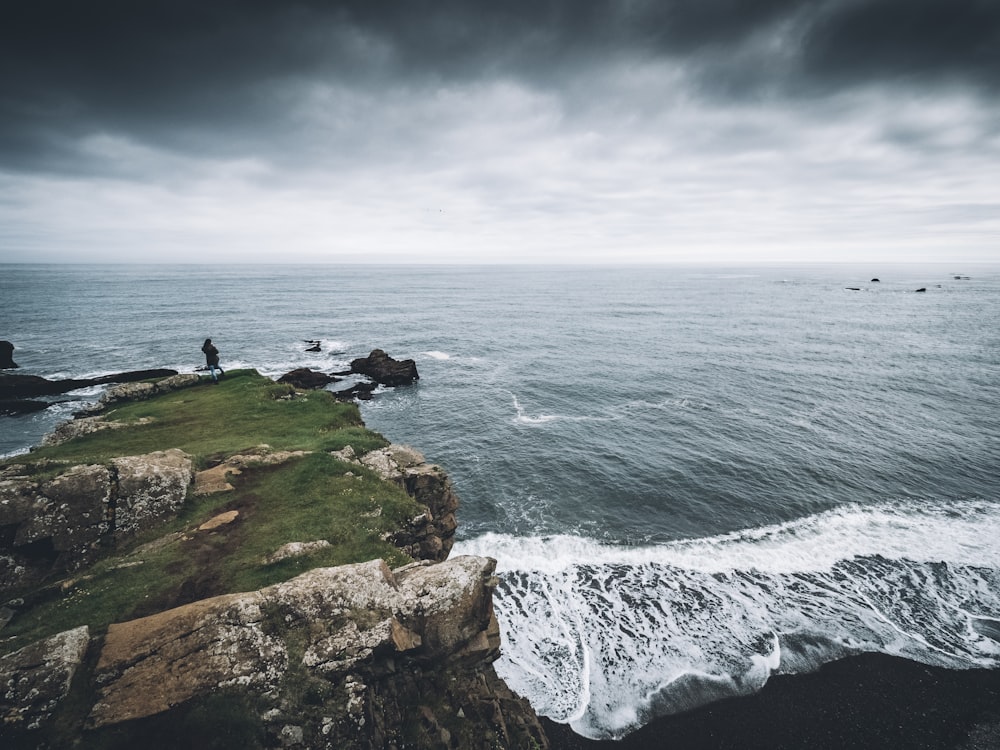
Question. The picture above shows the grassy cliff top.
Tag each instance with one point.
(306, 498)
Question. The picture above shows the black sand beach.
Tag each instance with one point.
(868, 701)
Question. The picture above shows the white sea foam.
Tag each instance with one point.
(605, 637)
(523, 418)
(437, 355)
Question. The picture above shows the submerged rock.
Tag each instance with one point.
(360, 391)
(15, 407)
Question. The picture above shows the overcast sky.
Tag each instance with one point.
(472, 131)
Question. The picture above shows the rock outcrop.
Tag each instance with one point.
(385, 370)
(61, 523)
(430, 535)
(30, 386)
(35, 679)
(357, 656)
(7, 356)
(307, 379)
(141, 391)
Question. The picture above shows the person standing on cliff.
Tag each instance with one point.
(212, 359)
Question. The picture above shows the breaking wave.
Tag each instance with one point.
(608, 638)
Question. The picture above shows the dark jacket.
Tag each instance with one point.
(211, 353)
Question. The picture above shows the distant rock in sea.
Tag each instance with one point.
(875, 281)
(303, 377)
(385, 370)
(7, 356)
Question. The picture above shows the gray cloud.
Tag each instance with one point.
(623, 121)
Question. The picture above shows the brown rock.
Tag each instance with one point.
(222, 519)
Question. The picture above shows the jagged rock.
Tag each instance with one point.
(307, 379)
(35, 679)
(296, 549)
(151, 488)
(383, 369)
(347, 620)
(141, 391)
(7, 356)
(359, 391)
(346, 454)
(62, 523)
(428, 535)
(151, 664)
(80, 426)
(52, 525)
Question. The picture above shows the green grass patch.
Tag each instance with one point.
(244, 410)
(309, 498)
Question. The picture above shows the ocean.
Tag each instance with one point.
(692, 478)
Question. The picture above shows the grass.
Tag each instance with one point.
(244, 410)
(313, 497)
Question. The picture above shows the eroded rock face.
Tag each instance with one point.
(154, 663)
(431, 534)
(62, 523)
(366, 642)
(35, 679)
(151, 488)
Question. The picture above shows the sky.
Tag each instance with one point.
(464, 131)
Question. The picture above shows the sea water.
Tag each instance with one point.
(692, 478)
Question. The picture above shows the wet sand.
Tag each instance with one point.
(868, 701)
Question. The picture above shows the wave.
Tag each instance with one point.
(523, 418)
(607, 638)
(437, 355)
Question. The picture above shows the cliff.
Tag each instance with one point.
(241, 566)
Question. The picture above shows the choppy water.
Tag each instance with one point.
(691, 477)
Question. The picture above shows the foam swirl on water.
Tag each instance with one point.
(606, 638)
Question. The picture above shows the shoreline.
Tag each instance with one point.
(864, 701)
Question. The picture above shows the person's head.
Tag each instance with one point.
(207, 342)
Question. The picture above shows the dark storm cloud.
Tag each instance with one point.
(920, 41)
(223, 75)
